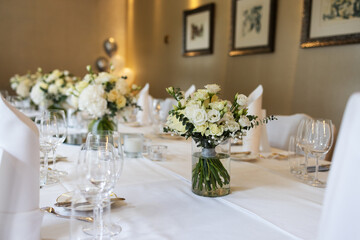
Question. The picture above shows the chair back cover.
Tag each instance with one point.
(279, 131)
(341, 211)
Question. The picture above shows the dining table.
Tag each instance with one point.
(266, 201)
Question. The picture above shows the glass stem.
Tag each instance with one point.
(306, 163)
(46, 165)
(98, 218)
(316, 169)
(54, 157)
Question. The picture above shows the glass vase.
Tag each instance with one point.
(102, 124)
(211, 170)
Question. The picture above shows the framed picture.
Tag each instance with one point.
(252, 26)
(330, 22)
(198, 33)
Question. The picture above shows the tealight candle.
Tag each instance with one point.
(133, 144)
(157, 152)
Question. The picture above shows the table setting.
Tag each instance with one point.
(204, 168)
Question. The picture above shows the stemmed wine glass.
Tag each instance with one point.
(97, 172)
(320, 139)
(48, 133)
(59, 117)
(303, 143)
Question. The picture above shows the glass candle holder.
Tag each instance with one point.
(133, 144)
(157, 152)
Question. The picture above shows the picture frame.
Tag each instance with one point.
(198, 30)
(252, 27)
(329, 23)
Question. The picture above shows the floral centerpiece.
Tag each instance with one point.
(22, 84)
(210, 122)
(52, 89)
(104, 97)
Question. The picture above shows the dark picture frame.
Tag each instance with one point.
(326, 23)
(252, 27)
(198, 30)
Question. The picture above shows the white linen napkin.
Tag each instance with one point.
(251, 142)
(144, 116)
(20, 217)
(191, 89)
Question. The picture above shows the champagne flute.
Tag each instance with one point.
(320, 139)
(303, 143)
(59, 117)
(96, 173)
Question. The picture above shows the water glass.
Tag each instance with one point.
(295, 158)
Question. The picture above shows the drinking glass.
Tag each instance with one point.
(303, 143)
(96, 178)
(58, 116)
(48, 134)
(294, 157)
(320, 139)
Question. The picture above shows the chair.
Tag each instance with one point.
(279, 131)
(341, 211)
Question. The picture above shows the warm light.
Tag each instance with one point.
(194, 3)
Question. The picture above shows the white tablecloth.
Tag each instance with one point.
(266, 201)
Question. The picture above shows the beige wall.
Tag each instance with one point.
(314, 81)
(68, 34)
(63, 34)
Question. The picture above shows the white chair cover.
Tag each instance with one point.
(279, 131)
(144, 101)
(341, 211)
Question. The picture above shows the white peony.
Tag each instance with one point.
(213, 88)
(213, 115)
(244, 121)
(242, 100)
(37, 95)
(92, 100)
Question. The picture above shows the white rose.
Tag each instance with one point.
(122, 86)
(104, 77)
(175, 124)
(92, 100)
(199, 117)
(215, 129)
(53, 89)
(232, 126)
(201, 95)
(213, 115)
(218, 105)
(242, 100)
(244, 121)
(213, 88)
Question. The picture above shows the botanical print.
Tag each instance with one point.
(252, 20)
(197, 31)
(340, 9)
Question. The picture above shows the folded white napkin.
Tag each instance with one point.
(264, 140)
(20, 217)
(144, 116)
(251, 142)
(191, 89)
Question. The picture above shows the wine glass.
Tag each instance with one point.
(303, 143)
(47, 130)
(320, 139)
(58, 116)
(97, 172)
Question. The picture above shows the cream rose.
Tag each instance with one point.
(244, 121)
(241, 100)
(215, 129)
(213, 88)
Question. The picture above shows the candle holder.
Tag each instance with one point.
(132, 144)
(157, 152)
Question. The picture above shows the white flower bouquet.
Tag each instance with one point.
(22, 84)
(209, 121)
(52, 90)
(104, 97)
